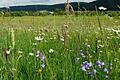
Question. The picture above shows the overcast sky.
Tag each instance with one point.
(23, 2)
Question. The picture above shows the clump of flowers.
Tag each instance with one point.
(116, 31)
(106, 70)
(100, 64)
(40, 56)
(92, 73)
(98, 67)
(86, 66)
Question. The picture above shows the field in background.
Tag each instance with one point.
(59, 48)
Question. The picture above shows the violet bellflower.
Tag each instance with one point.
(40, 56)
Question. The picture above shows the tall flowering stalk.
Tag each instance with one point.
(13, 44)
(13, 38)
(64, 33)
(6, 56)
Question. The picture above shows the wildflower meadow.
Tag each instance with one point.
(65, 47)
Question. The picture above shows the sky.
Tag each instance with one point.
(26, 2)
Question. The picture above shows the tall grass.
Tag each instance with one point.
(73, 40)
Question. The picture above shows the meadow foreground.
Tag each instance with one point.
(59, 48)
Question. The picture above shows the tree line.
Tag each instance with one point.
(56, 12)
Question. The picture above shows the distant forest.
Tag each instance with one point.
(111, 5)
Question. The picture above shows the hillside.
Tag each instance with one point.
(109, 4)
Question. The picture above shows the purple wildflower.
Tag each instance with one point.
(106, 70)
(100, 64)
(86, 65)
(40, 56)
(89, 64)
(93, 72)
(106, 76)
(83, 68)
(81, 53)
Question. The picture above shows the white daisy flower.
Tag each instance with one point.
(38, 38)
(20, 52)
(43, 65)
(8, 51)
(62, 39)
(51, 51)
(31, 54)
